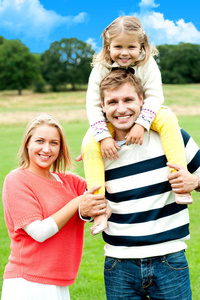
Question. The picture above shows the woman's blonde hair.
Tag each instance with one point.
(63, 160)
(124, 25)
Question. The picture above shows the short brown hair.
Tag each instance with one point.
(117, 78)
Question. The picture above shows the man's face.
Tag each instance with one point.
(122, 107)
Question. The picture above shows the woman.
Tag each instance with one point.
(41, 214)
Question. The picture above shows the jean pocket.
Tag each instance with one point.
(176, 261)
(110, 263)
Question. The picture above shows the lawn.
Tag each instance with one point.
(89, 283)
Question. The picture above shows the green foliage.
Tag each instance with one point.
(67, 61)
(18, 66)
(179, 64)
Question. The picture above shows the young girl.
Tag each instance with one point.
(126, 45)
(41, 205)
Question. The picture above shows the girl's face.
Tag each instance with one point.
(43, 148)
(125, 49)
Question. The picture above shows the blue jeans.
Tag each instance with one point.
(163, 277)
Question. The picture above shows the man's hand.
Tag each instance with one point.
(182, 181)
(109, 148)
(135, 135)
(92, 205)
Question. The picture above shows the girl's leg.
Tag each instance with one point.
(95, 174)
(166, 124)
(93, 163)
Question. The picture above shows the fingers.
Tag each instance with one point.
(93, 189)
(175, 166)
(111, 153)
(134, 140)
(79, 158)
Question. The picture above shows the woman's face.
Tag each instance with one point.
(43, 148)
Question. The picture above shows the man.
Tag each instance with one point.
(146, 233)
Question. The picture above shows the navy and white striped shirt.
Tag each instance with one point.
(145, 220)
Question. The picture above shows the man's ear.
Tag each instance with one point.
(103, 106)
(141, 100)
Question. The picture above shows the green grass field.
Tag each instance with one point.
(89, 283)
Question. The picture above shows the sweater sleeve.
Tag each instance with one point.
(40, 231)
(95, 113)
(21, 205)
(150, 77)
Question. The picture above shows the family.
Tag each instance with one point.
(140, 169)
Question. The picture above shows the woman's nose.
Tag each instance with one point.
(46, 147)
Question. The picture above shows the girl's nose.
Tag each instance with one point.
(124, 51)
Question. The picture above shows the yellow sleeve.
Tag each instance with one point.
(166, 124)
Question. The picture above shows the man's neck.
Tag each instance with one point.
(120, 135)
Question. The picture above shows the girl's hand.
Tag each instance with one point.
(135, 135)
(109, 148)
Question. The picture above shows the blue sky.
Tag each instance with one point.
(38, 23)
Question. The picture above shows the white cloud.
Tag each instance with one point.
(147, 3)
(164, 31)
(30, 18)
(94, 45)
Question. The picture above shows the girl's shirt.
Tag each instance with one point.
(28, 197)
(150, 77)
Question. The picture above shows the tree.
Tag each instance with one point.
(67, 61)
(19, 67)
(179, 64)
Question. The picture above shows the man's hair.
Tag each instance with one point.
(116, 78)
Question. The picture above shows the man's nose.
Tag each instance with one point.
(121, 108)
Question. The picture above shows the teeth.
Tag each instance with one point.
(43, 156)
(122, 118)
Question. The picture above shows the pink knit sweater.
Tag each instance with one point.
(28, 197)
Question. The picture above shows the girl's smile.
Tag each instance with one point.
(125, 49)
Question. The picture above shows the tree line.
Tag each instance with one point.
(68, 62)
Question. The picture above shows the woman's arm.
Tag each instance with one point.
(92, 204)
